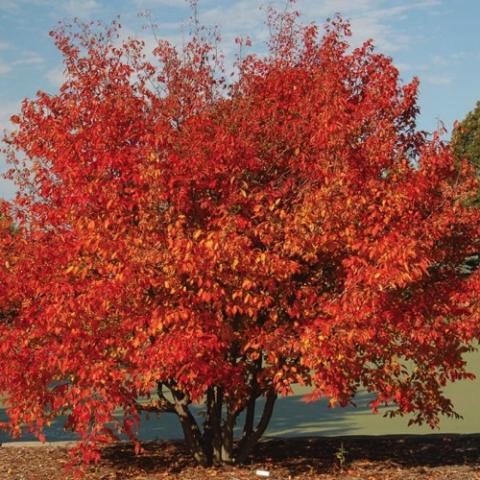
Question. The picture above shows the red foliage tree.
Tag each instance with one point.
(187, 241)
(10, 246)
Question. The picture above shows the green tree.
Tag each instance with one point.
(466, 145)
(466, 137)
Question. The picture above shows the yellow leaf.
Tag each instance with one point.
(197, 234)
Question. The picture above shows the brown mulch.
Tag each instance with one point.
(371, 458)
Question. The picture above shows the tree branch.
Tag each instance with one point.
(250, 413)
(158, 407)
(247, 443)
(191, 431)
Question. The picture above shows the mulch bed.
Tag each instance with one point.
(371, 458)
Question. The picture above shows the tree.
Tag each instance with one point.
(466, 137)
(466, 146)
(186, 239)
(9, 248)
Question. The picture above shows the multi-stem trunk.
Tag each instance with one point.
(214, 442)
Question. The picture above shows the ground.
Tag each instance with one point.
(371, 458)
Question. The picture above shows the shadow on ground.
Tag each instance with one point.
(318, 455)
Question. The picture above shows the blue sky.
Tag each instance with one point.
(436, 40)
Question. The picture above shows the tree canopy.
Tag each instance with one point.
(188, 238)
(466, 137)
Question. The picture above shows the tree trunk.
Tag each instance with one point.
(250, 413)
(208, 430)
(191, 431)
(216, 444)
(248, 442)
(227, 444)
(217, 425)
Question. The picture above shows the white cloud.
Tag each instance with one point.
(439, 61)
(4, 68)
(16, 5)
(369, 18)
(7, 109)
(437, 79)
(171, 32)
(160, 3)
(28, 58)
(403, 66)
(461, 56)
(4, 45)
(80, 8)
(74, 8)
(380, 20)
(438, 70)
(56, 76)
(7, 188)
(8, 5)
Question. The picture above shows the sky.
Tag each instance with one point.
(435, 40)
